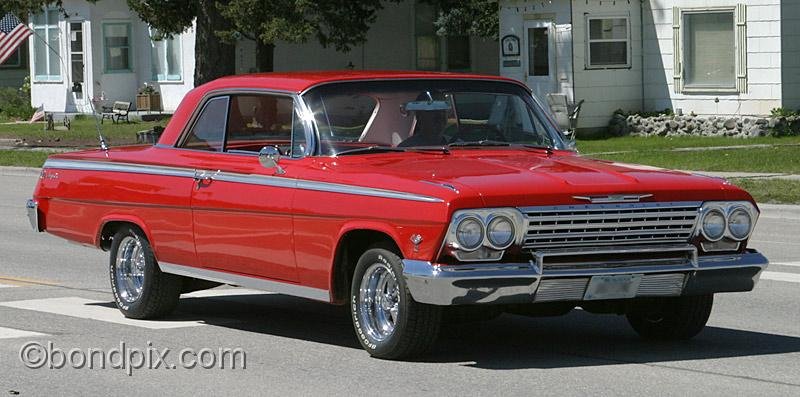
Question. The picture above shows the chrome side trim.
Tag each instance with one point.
(247, 281)
(364, 191)
(238, 178)
(87, 165)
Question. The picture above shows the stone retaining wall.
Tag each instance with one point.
(682, 125)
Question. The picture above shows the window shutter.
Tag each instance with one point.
(741, 48)
(677, 68)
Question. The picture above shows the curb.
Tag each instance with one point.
(19, 171)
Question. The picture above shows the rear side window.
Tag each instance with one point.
(255, 121)
(208, 132)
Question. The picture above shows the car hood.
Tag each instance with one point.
(527, 177)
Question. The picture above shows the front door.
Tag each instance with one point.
(540, 57)
(241, 210)
(77, 60)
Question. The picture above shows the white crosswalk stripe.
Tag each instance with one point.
(797, 264)
(781, 276)
(94, 310)
(8, 333)
(7, 286)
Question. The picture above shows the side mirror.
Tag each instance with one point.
(269, 156)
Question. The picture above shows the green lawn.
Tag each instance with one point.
(780, 159)
(775, 191)
(23, 158)
(83, 132)
(635, 143)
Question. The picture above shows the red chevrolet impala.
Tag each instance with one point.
(414, 198)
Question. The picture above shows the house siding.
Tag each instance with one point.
(790, 50)
(116, 86)
(763, 60)
(606, 90)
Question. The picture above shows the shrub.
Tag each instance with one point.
(783, 112)
(15, 104)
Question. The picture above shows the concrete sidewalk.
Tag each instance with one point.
(754, 175)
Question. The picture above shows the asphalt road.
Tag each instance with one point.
(55, 292)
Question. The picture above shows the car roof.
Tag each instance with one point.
(298, 82)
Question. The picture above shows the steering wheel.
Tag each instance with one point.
(480, 131)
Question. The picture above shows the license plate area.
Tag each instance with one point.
(620, 286)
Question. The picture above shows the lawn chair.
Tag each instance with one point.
(117, 112)
(566, 114)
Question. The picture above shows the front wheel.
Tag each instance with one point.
(388, 322)
(671, 318)
(140, 289)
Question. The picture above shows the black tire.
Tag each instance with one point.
(416, 326)
(159, 291)
(678, 318)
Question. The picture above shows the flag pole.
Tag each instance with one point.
(103, 144)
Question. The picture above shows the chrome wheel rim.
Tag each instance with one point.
(130, 265)
(379, 302)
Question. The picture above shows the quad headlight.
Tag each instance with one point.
(483, 234)
(469, 233)
(734, 220)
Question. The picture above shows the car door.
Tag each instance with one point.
(241, 210)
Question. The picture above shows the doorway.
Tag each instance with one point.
(77, 63)
(540, 65)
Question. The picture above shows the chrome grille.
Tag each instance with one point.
(670, 284)
(609, 224)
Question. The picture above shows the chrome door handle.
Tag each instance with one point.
(204, 177)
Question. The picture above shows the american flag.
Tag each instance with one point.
(37, 115)
(12, 33)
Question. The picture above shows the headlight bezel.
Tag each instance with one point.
(487, 250)
(727, 208)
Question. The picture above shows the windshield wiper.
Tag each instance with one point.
(385, 149)
(485, 142)
(548, 149)
(371, 149)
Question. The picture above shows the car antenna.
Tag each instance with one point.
(103, 145)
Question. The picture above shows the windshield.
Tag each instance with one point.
(375, 116)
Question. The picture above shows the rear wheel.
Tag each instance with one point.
(671, 318)
(140, 289)
(388, 322)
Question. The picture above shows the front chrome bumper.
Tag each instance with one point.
(33, 214)
(494, 283)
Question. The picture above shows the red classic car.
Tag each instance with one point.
(414, 198)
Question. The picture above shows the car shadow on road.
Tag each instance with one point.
(508, 342)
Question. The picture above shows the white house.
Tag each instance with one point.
(730, 57)
(108, 52)
(101, 51)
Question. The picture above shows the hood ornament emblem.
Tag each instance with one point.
(614, 198)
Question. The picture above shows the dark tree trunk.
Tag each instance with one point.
(213, 58)
(265, 57)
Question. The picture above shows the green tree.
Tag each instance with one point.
(337, 23)
(467, 17)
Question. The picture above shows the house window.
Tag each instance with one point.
(165, 52)
(117, 47)
(709, 44)
(433, 51)
(609, 43)
(14, 61)
(46, 48)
